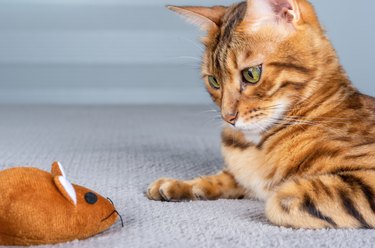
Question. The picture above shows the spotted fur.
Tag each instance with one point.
(304, 137)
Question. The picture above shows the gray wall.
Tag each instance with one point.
(123, 51)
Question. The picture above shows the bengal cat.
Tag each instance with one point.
(298, 135)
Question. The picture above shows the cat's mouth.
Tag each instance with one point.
(263, 121)
(251, 127)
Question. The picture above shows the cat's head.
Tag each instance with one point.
(261, 58)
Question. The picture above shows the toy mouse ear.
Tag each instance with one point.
(64, 186)
(66, 189)
(57, 169)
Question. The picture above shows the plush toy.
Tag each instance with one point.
(37, 207)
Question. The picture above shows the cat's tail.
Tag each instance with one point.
(343, 200)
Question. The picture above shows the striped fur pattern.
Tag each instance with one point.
(304, 138)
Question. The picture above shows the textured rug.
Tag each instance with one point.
(118, 151)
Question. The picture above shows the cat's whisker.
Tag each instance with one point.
(305, 118)
(211, 110)
(189, 57)
(316, 121)
(215, 121)
(197, 45)
(271, 107)
(323, 117)
(317, 124)
(260, 127)
(184, 57)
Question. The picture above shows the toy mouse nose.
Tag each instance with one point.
(231, 118)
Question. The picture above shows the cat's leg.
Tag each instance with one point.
(344, 200)
(221, 185)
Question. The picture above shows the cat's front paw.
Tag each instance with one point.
(166, 189)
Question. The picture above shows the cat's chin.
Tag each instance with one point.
(253, 128)
(252, 133)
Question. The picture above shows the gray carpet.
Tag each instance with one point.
(118, 151)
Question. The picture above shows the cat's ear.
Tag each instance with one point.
(260, 12)
(204, 17)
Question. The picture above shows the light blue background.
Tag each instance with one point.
(122, 51)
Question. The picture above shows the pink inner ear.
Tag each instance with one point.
(279, 5)
(282, 9)
(286, 14)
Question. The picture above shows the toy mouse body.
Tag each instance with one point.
(37, 207)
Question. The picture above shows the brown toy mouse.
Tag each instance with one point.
(37, 207)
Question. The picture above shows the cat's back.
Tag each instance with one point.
(368, 103)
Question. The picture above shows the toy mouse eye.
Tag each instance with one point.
(91, 198)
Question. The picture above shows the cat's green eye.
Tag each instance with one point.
(252, 75)
(213, 82)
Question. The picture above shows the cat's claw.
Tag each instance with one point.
(165, 198)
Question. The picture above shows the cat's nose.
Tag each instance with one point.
(231, 118)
